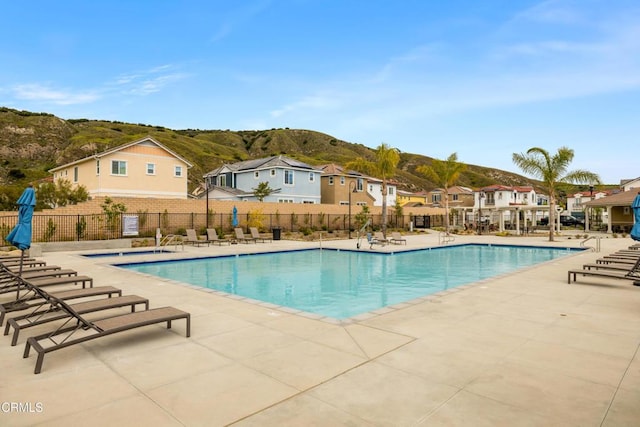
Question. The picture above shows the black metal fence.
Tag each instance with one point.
(65, 228)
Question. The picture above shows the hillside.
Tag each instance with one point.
(33, 143)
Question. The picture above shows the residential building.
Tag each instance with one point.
(143, 168)
(374, 188)
(629, 184)
(341, 187)
(291, 181)
(407, 198)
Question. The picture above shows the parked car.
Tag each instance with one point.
(564, 220)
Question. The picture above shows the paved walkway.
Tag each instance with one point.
(524, 349)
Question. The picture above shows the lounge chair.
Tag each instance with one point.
(88, 330)
(240, 237)
(212, 236)
(376, 239)
(397, 239)
(49, 281)
(30, 300)
(52, 313)
(632, 274)
(193, 239)
(25, 262)
(258, 238)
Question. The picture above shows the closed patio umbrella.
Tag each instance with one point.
(20, 235)
(234, 219)
(635, 205)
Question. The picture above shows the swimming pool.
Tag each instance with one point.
(343, 284)
(125, 253)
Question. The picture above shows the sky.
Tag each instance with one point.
(483, 79)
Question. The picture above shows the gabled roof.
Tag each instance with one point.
(120, 148)
(265, 163)
(333, 169)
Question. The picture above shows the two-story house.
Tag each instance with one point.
(374, 188)
(512, 207)
(291, 181)
(341, 187)
(409, 199)
(143, 168)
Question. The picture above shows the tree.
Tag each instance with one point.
(61, 193)
(445, 174)
(552, 171)
(263, 190)
(384, 167)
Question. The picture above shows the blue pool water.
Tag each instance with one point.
(343, 284)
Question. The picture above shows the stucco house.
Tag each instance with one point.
(340, 187)
(292, 181)
(143, 168)
(409, 199)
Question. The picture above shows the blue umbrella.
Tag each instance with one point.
(635, 205)
(20, 235)
(234, 220)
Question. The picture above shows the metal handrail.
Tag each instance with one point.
(444, 238)
(596, 249)
(168, 240)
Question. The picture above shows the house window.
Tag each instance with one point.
(256, 174)
(75, 174)
(330, 180)
(151, 168)
(435, 198)
(390, 191)
(118, 167)
(273, 172)
(222, 180)
(308, 202)
(361, 203)
(177, 171)
(454, 197)
(97, 167)
(360, 184)
(312, 177)
(342, 180)
(285, 200)
(344, 203)
(288, 177)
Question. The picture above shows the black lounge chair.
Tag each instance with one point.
(212, 235)
(51, 314)
(632, 274)
(88, 330)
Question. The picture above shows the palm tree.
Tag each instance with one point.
(384, 167)
(552, 171)
(445, 174)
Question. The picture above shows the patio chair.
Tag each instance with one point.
(256, 235)
(632, 274)
(397, 239)
(212, 236)
(52, 313)
(11, 286)
(25, 262)
(65, 336)
(240, 237)
(193, 239)
(30, 300)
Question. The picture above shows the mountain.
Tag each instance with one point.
(32, 143)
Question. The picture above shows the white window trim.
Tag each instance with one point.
(288, 172)
(153, 166)
(175, 171)
(126, 168)
(256, 174)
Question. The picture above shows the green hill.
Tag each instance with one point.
(33, 143)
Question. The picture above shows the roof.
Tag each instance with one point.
(120, 148)
(264, 163)
(333, 169)
(620, 199)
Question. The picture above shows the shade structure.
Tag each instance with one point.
(20, 235)
(234, 218)
(635, 231)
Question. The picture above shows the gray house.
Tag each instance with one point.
(292, 181)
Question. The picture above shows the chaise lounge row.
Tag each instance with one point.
(35, 307)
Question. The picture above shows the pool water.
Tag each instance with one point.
(343, 284)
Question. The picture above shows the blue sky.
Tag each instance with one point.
(483, 79)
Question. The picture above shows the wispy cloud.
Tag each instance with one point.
(47, 94)
(149, 81)
(238, 17)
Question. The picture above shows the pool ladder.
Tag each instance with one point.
(596, 249)
(169, 239)
(445, 238)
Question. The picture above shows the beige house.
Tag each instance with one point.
(143, 168)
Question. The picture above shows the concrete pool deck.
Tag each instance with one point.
(522, 349)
